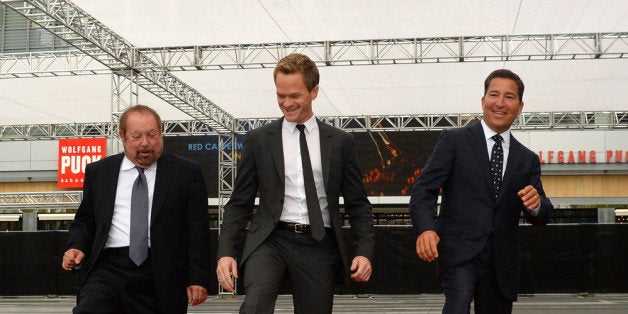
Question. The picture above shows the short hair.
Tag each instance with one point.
(299, 63)
(138, 108)
(505, 73)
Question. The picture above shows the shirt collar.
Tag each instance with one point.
(127, 164)
(488, 133)
(310, 125)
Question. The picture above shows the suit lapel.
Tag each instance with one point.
(326, 139)
(478, 143)
(514, 155)
(276, 148)
(110, 185)
(165, 168)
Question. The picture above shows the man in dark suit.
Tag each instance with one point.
(486, 182)
(171, 265)
(286, 237)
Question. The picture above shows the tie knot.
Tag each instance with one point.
(140, 170)
(497, 138)
(301, 127)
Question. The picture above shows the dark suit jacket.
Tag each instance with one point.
(180, 247)
(262, 169)
(459, 164)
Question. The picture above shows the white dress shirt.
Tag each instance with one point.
(295, 205)
(120, 231)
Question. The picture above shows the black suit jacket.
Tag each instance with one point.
(262, 169)
(459, 164)
(180, 243)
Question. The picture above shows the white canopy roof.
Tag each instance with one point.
(551, 85)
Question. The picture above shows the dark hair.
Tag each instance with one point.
(299, 63)
(505, 73)
(138, 108)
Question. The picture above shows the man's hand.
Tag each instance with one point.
(426, 245)
(227, 266)
(530, 197)
(196, 294)
(71, 258)
(361, 269)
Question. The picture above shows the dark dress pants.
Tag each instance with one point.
(311, 267)
(474, 280)
(117, 285)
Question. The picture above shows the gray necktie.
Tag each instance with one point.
(497, 164)
(313, 206)
(138, 247)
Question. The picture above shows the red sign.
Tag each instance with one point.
(74, 155)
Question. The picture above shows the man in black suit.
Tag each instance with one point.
(286, 237)
(175, 267)
(475, 235)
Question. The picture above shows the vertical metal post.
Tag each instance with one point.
(226, 180)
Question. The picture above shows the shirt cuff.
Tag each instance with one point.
(535, 212)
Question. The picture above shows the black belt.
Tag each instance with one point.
(297, 228)
(120, 251)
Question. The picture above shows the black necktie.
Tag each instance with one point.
(313, 206)
(138, 246)
(497, 164)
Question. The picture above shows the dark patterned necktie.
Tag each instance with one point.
(138, 242)
(497, 164)
(313, 206)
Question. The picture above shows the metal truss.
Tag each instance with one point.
(47, 64)
(418, 122)
(73, 25)
(396, 51)
(16, 202)
(330, 53)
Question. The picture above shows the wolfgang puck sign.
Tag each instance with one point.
(74, 155)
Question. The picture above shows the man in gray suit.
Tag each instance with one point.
(488, 179)
(286, 237)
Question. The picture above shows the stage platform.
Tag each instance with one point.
(419, 303)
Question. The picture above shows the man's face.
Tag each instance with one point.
(295, 101)
(501, 105)
(143, 143)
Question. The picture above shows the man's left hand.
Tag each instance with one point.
(196, 294)
(361, 269)
(530, 197)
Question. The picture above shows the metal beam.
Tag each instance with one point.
(417, 122)
(70, 23)
(333, 53)
(396, 51)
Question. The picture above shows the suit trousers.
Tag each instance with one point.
(311, 267)
(117, 285)
(474, 280)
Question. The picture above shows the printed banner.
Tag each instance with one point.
(74, 155)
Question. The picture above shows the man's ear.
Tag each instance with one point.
(314, 92)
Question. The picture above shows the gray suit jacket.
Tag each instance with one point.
(180, 242)
(459, 165)
(261, 169)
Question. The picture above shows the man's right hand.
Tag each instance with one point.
(426, 245)
(227, 266)
(71, 258)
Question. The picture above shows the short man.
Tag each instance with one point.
(487, 178)
(286, 236)
(141, 232)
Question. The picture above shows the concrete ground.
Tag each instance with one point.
(423, 303)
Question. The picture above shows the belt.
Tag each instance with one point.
(297, 228)
(117, 251)
(120, 251)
